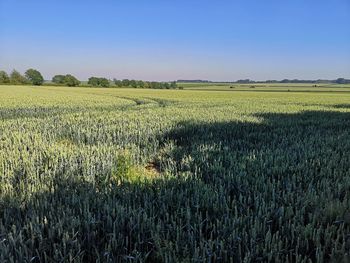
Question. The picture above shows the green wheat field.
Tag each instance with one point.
(210, 173)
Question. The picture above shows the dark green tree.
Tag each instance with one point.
(118, 83)
(17, 78)
(340, 81)
(140, 84)
(126, 82)
(93, 81)
(153, 85)
(103, 82)
(34, 77)
(98, 82)
(173, 85)
(71, 81)
(165, 85)
(4, 77)
(133, 83)
(58, 79)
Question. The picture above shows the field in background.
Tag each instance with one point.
(136, 175)
(294, 87)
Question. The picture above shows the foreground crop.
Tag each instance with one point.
(173, 176)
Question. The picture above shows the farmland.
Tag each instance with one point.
(270, 87)
(205, 174)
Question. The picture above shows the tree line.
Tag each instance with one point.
(31, 76)
(145, 84)
(34, 77)
(131, 83)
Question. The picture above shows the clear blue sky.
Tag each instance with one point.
(168, 40)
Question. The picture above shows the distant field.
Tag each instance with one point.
(204, 174)
(296, 87)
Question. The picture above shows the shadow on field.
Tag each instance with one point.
(293, 137)
(250, 192)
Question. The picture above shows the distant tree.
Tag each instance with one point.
(126, 82)
(165, 85)
(133, 83)
(340, 81)
(98, 82)
(17, 78)
(4, 77)
(34, 77)
(243, 81)
(71, 81)
(58, 79)
(140, 84)
(103, 82)
(118, 83)
(173, 85)
(93, 81)
(152, 85)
